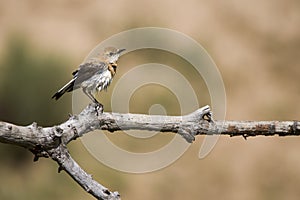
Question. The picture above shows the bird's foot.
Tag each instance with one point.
(96, 108)
(99, 108)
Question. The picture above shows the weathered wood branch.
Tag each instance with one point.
(52, 141)
(258, 128)
(65, 161)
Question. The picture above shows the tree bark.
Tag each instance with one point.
(52, 141)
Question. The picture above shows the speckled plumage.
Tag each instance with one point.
(94, 75)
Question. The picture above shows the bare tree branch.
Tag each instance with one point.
(258, 128)
(52, 141)
(65, 161)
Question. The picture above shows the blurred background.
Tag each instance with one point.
(255, 45)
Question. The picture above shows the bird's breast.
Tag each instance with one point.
(104, 80)
(98, 82)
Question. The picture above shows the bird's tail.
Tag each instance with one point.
(66, 88)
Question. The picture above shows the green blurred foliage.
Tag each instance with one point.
(28, 79)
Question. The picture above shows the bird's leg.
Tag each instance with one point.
(98, 106)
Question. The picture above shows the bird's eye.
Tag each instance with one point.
(111, 53)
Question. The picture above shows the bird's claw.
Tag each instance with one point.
(208, 117)
(99, 108)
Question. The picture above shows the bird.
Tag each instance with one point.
(94, 75)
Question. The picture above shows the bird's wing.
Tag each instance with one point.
(87, 70)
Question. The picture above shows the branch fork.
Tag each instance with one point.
(52, 141)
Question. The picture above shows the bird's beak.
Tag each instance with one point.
(121, 50)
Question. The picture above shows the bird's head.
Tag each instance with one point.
(112, 54)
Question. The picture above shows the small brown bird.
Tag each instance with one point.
(94, 75)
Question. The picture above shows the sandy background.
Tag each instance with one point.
(254, 44)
